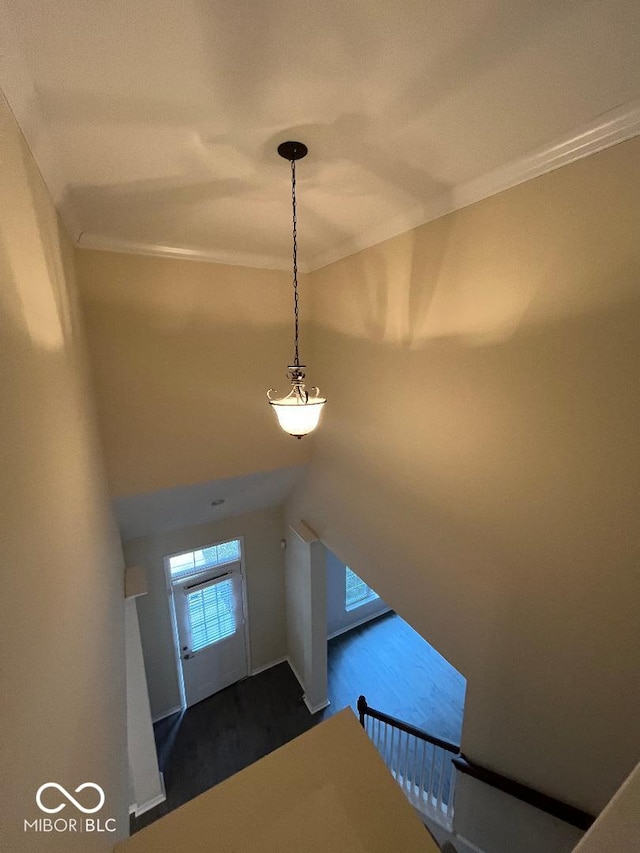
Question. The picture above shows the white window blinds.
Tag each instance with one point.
(357, 592)
(211, 614)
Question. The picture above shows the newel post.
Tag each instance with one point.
(362, 709)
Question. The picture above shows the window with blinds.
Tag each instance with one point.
(211, 614)
(193, 562)
(357, 592)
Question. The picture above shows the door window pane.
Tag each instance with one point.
(211, 614)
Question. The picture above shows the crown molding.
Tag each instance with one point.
(185, 253)
(608, 129)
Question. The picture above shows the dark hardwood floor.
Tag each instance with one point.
(398, 673)
(225, 733)
(385, 660)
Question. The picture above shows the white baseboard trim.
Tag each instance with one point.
(285, 659)
(313, 709)
(152, 803)
(358, 623)
(269, 665)
(168, 713)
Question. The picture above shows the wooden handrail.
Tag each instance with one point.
(365, 710)
(544, 802)
(557, 808)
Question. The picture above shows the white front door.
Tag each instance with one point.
(210, 620)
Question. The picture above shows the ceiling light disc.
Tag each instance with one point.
(292, 150)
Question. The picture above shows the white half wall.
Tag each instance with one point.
(147, 788)
(495, 822)
(306, 613)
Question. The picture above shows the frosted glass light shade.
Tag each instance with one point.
(297, 417)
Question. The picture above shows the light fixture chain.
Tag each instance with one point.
(299, 411)
(296, 359)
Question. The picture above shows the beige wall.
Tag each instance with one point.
(478, 456)
(264, 570)
(62, 618)
(183, 353)
(478, 463)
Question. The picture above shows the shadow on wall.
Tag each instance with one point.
(528, 256)
(38, 300)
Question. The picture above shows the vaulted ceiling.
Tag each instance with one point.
(156, 122)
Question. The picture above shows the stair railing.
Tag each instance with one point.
(419, 762)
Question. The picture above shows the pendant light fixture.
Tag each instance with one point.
(299, 412)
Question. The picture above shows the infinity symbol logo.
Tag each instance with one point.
(70, 797)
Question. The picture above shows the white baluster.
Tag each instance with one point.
(433, 763)
(422, 770)
(424, 777)
(452, 791)
(390, 764)
(441, 785)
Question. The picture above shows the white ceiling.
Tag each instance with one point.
(163, 116)
(188, 506)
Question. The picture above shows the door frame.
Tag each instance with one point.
(174, 619)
